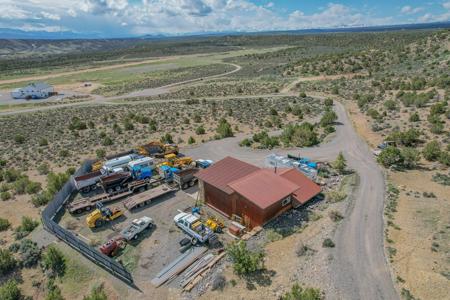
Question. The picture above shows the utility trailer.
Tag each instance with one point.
(185, 178)
(144, 198)
(86, 204)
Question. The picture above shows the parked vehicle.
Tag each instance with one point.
(102, 215)
(193, 226)
(142, 163)
(132, 231)
(185, 178)
(203, 163)
(119, 162)
(167, 172)
(115, 182)
(87, 182)
(113, 246)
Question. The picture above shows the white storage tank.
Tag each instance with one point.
(118, 162)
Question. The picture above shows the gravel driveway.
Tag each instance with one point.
(359, 268)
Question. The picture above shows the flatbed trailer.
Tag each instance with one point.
(86, 204)
(144, 198)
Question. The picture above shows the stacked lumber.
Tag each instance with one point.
(199, 272)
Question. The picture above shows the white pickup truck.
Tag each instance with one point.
(132, 231)
(194, 227)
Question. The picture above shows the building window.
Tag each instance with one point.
(286, 201)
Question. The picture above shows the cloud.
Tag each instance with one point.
(443, 17)
(409, 10)
(50, 16)
(446, 5)
(138, 17)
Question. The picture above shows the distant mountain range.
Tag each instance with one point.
(7, 33)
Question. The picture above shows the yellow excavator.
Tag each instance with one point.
(177, 162)
(102, 215)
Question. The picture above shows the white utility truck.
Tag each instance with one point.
(194, 227)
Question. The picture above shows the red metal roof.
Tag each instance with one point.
(263, 187)
(225, 171)
(307, 188)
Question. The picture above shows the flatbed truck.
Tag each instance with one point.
(87, 204)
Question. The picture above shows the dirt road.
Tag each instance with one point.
(359, 267)
(103, 68)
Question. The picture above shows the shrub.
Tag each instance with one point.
(224, 129)
(54, 292)
(406, 138)
(4, 224)
(302, 135)
(340, 163)
(414, 117)
(336, 196)
(410, 157)
(200, 130)
(246, 142)
(27, 225)
(43, 142)
(191, 140)
(29, 253)
(10, 291)
(19, 139)
(97, 293)
(444, 158)
(43, 168)
(7, 261)
(53, 260)
(328, 102)
(390, 104)
(167, 139)
(335, 216)
(299, 293)
(432, 151)
(41, 199)
(5, 196)
(390, 156)
(55, 181)
(244, 260)
(328, 243)
(328, 118)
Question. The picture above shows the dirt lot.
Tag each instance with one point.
(153, 250)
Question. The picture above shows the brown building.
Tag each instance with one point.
(236, 188)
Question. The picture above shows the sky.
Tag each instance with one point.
(123, 18)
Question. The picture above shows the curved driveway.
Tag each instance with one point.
(359, 267)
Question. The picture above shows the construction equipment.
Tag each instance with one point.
(132, 231)
(102, 215)
(173, 160)
(113, 246)
(157, 149)
(214, 224)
